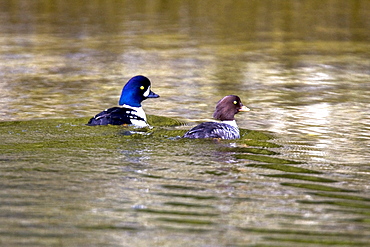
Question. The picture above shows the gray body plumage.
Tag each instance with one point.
(213, 130)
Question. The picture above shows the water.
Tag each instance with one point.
(298, 176)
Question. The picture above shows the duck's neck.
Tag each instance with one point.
(230, 122)
(139, 111)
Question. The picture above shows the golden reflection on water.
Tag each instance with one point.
(292, 63)
(301, 66)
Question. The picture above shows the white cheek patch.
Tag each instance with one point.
(146, 93)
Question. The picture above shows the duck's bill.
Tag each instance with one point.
(244, 108)
(152, 95)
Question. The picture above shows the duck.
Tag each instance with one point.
(130, 111)
(225, 111)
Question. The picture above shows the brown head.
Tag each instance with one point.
(227, 107)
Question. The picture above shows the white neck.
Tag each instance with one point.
(230, 122)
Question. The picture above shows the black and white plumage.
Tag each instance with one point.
(225, 111)
(118, 116)
(136, 90)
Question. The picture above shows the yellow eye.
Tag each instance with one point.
(142, 87)
(235, 102)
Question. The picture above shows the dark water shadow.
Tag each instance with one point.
(155, 180)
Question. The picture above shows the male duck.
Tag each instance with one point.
(133, 93)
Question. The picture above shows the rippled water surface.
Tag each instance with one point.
(298, 176)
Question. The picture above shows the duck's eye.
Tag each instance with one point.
(235, 102)
(142, 87)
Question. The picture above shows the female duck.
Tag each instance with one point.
(226, 108)
(133, 93)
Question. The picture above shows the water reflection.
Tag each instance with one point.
(302, 67)
(106, 185)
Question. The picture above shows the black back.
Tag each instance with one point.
(114, 116)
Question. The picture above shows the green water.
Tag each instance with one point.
(64, 183)
(298, 176)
